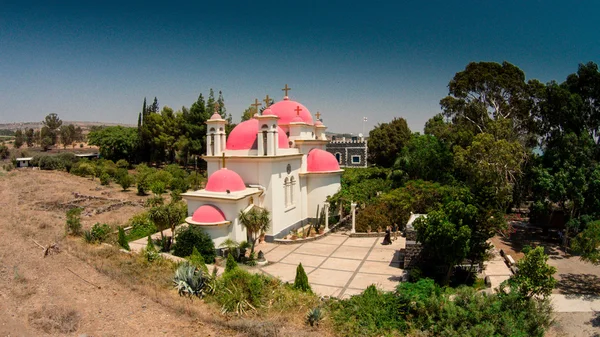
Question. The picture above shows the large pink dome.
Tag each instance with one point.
(208, 214)
(243, 136)
(286, 110)
(321, 161)
(224, 180)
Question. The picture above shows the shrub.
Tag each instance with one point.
(372, 313)
(231, 264)
(240, 291)
(534, 275)
(187, 238)
(301, 281)
(122, 163)
(195, 179)
(141, 226)
(160, 178)
(4, 152)
(124, 180)
(105, 179)
(100, 232)
(197, 260)
(314, 316)
(73, 225)
(123, 239)
(150, 252)
(189, 281)
(143, 183)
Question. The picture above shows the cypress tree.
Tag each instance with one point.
(301, 281)
(231, 264)
(122, 239)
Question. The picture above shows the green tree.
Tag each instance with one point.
(587, 243)
(115, 142)
(445, 238)
(492, 168)
(301, 280)
(67, 135)
(231, 264)
(52, 123)
(122, 240)
(168, 216)
(425, 157)
(488, 92)
(73, 224)
(534, 277)
(387, 140)
(256, 221)
(29, 137)
(19, 139)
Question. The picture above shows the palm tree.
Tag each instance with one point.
(256, 221)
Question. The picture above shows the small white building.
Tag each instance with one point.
(24, 162)
(276, 161)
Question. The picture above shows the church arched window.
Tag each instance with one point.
(286, 188)
(292, 186)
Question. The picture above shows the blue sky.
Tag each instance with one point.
(96, 61)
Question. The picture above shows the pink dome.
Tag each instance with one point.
(297, 119)
(215, 116)
(208, 214)
(286, 110)
(243, 136)
(321, 161)
(224, 180)
(318, 123)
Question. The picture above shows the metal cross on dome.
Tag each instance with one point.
(267, 101)
(216, 107)
(256, 104)
(286, 89)
(318, 114)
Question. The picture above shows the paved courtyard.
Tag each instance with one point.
(337, 265)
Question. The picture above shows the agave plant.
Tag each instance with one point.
(314, 316)
(189, 281)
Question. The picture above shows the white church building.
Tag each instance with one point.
(276, 161)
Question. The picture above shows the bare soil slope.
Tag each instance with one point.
(47, 296)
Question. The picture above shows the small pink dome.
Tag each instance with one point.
(243, 136)
(208, 214)
(286, 110)
(224, 180)
(318, 123)
(321, 161)
(215, 116)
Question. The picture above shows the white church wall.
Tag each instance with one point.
(320, 186)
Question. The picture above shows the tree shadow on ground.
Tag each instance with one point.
(585, 285)
(534, 237)
(595, 322)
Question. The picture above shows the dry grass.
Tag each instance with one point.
(55, 319)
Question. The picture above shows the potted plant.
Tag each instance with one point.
(261, 238)
(369, 229)
(379, 229)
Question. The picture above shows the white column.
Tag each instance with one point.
(326, 206)
(223, 141)
(353, 209)
(217, 146)
(208, 145)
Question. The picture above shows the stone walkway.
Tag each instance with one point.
(337, 265)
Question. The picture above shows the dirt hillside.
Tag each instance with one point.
(61, 294)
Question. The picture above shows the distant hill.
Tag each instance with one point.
(38, 125)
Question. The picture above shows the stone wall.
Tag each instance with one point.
(411, 235)
(344, 151)
(412, 253)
